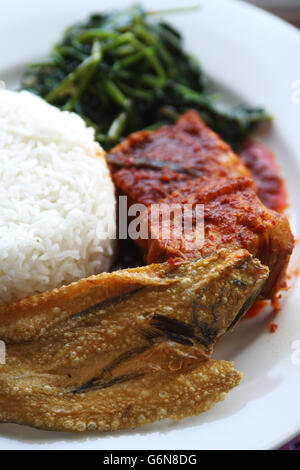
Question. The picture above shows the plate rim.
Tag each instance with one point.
(286, 27)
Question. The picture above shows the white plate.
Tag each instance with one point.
(255, 57)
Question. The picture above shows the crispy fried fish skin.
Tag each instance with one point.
(142, 400)
(29, 317)
(134, 358)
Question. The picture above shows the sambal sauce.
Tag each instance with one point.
(261, 163)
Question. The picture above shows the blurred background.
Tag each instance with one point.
(287, 9)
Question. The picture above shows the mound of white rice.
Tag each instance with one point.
(57, 200)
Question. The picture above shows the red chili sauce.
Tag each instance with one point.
(261, 163)
(271, 189)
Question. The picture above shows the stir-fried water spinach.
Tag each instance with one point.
(122, 72)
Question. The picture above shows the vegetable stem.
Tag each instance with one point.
(84, 67)
(116, 128)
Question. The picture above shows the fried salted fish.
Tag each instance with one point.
(131, 359)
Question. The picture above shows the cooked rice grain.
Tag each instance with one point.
(56, 198)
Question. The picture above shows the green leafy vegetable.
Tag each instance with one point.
(123, 72)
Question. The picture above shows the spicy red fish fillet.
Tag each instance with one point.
(184, 151)
(188, 163)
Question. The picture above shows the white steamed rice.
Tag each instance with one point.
(56, 198)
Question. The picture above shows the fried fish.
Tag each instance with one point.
(189, 164)
(124, 349)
